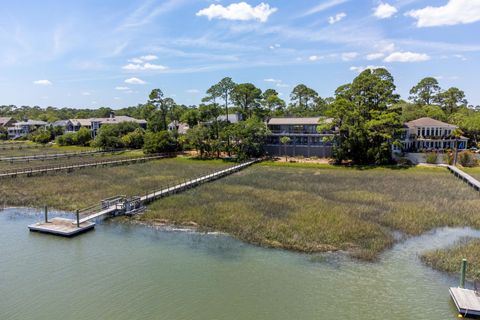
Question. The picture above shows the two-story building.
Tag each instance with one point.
(305, 139)
(94, 124)
(425, 134)
(23, 128)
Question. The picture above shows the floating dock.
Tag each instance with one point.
(62, 227)
(467, 301)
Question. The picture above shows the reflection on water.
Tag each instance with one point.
(123, 271)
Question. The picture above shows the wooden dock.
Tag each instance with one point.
(471, 181)
(53, 156)
(467, 301)
(121, 205)
(69, 167)
(62, 227)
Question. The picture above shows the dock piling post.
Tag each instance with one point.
(46, 214)
(463, 271)
(78, 219)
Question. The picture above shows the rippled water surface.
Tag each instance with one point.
(132, 272)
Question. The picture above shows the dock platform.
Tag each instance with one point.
(467, 301)
(62, 227)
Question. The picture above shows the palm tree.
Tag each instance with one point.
(285, 141)
(457, 133)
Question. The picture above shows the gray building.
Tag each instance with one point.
(305, 139)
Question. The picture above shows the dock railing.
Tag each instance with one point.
(72, 166)
(163, 191)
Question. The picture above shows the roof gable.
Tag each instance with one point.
(429, 122)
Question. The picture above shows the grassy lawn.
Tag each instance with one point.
(449, 259)
(85, 187)
(311, 207)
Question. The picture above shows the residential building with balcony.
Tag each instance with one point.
(427, 134)
(23, 128)
(94, 124)
(305, 139)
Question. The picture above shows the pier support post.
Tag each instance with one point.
(46, 214)
(78, 219)
(463, 271)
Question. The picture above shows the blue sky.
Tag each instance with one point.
(90, 53)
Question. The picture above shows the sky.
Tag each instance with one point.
(112, 53)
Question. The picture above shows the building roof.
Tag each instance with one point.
(428, 122)
(81, 122)
(60, 123)
(118, 119)
(111, 120)
(299, 121)
(31, 123)
(4, 120)
(181, 127)
(232, 117)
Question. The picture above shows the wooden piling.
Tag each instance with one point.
(463, 271)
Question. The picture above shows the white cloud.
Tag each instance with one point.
(460, 56)
(454, 12)
(117, 98)
(272, 80)
(193, 91)
(274, 46)
(277, 82)
(388, 47)
(86, 93)
(384, 11)
(337, 17)
(136, 60)
(143, 67)
(406, 56)
(238, 11)
(324, 6)
(43, 82)
(315, 58)
(134, 81)
(120, 88)
(347, 56)
(375, 56)
(362, 68)
(149, 57)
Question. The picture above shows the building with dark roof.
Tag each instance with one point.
(305, 139)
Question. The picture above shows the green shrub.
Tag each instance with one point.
(134, 140)
(467, 159)
(162, 141)
(81, 138)
(448, 157)
(431, 157)
(41, 136)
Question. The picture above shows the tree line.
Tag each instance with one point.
(367, 113)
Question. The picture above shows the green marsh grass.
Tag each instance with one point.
(84, 187)
(317, 208)
(449, 259)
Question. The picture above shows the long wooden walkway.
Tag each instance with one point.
(52, 156)
(471, 181)
(166, 191)
(69, 167)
